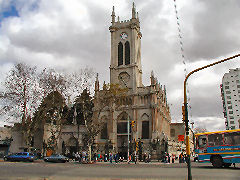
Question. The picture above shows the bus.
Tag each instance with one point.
(221, 148)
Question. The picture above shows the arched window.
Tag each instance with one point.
(145, 129)
(120, 54)
(122, 123)
(172, 132)
(127, 53)
(104, 131)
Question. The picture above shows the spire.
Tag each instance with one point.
(133, 11)
(152, 78)
(97, 83)
(113, 16)
(104, 86)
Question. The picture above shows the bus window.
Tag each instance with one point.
(232, 138)
(236, 137)
(215, 140)
(202, 141)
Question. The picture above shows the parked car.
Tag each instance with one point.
(56, 158)
(21, 156)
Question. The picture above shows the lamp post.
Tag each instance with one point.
(128, 126)
(185, 110)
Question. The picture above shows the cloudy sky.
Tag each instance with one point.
(72, 34)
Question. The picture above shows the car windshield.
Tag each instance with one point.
(54, 155)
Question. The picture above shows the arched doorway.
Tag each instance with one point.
(71, 145)
(122, 134)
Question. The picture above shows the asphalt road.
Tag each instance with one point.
(40, 170)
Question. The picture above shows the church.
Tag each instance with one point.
(148, 110)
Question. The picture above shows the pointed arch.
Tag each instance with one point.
(72, 141)
(145, 126)
(145, 117)
(120, 54)
(122, 117)
(127, 53)
(104, 130)
(122, 123)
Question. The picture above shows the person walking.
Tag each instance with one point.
(135, 157)
(110, 157)
(169, 158)
(173, 158)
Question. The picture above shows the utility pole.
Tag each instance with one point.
(128, 126)
(185, 110)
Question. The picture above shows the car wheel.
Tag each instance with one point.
(217, 161)
(227, 165)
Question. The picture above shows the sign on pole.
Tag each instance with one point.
(180, 137)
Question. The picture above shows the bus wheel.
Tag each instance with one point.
(217, 161)
(227, 165)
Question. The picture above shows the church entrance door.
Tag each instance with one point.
(122, 145)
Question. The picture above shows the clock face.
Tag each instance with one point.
(123, 35)
(124, 78)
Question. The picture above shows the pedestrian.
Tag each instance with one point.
(173, 158)
(149, 158)
(111, 157)
(101, 157)
(169, 158)
(116, 158)
(135, 157)
(181, 158)
(145, 157)
(95, 157)
(80, 157)
(105, 157)
(76, 156)
(98, 156)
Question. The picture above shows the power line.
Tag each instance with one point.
(180, 37)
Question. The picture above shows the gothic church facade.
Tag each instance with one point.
(148, 110)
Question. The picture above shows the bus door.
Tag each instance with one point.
(202, 144)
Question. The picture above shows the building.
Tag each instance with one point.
(62, 135)
(230, 91)
(147, 108)
(176, 144)
(5, 140)
(69, 139)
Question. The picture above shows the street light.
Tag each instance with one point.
(185, 108)
(128, 126)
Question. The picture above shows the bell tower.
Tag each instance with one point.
(125, 66)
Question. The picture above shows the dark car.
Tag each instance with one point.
(22, 156)
(56, 158)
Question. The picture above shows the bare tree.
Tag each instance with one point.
(110, 97)
(21, 97)
(50, 80)
(77, 81)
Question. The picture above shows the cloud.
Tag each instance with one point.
(72, 34)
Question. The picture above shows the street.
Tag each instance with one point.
(40, 170)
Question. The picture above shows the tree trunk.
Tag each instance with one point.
(90, 152)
